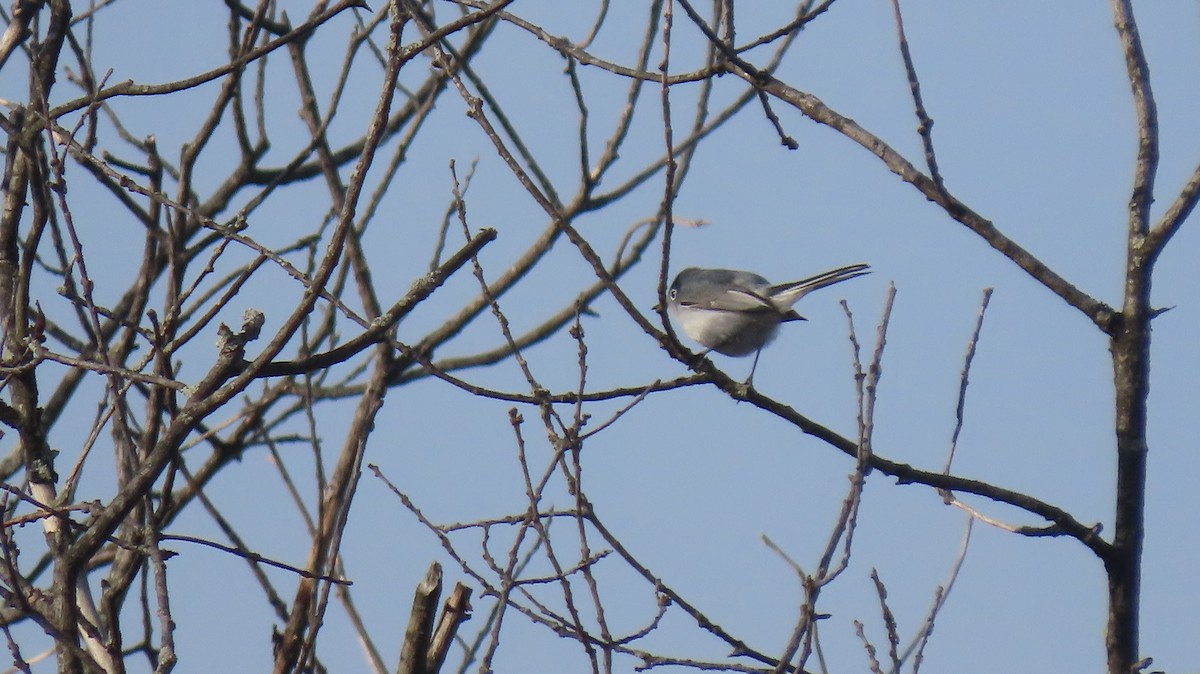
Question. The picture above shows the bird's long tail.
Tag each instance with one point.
(787, 294)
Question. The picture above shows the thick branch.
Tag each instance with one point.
(1098, 312)
(906, 474)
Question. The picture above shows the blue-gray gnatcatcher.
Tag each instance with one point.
(737, 313)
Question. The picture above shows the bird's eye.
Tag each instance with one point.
(673, 293)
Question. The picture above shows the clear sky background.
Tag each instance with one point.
(1034, 130)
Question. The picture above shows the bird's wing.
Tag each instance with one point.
(738, 299)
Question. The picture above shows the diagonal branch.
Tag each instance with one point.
(1098, 312)
(1173, 219)
(1062, 521)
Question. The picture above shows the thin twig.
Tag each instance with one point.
(960, 408)
(924, 121)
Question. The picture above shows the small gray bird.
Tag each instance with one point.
(737, 313)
